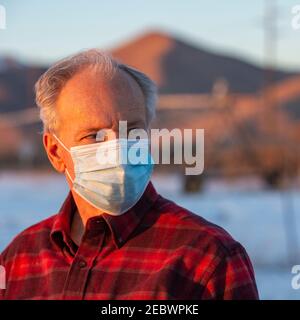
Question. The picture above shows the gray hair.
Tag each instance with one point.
(50, 84)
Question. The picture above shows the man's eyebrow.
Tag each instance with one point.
(84, 132)
(133, 124)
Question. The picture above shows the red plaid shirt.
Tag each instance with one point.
(157, 250)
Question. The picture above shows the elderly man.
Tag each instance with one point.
(114, 237)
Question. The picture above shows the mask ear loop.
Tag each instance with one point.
(68, 174)
(63, 145)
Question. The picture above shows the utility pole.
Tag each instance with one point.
(271, 119)
(269, 114)
(270, 40)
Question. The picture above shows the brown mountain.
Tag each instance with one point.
(179, 67)
(176, 66)
(16, 86)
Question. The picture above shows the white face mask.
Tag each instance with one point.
(104, 178)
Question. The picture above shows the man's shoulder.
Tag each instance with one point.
(30, 239)
(193, 228)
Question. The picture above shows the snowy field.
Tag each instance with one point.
(261, 220)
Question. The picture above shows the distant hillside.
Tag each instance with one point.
(17, 85)
(179, 67)
(176, 66)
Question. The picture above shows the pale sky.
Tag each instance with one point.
(43, 31)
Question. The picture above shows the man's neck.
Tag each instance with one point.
(83, 213)
(77, 228)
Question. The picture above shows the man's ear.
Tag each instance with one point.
(53, 151)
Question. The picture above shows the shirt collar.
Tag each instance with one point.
(121, 226)
(61, 229)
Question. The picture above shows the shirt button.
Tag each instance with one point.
(82, 264)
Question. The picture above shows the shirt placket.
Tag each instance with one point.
(82, 264)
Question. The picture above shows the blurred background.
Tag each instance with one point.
(230, 67)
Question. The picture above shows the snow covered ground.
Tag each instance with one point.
(261, 220)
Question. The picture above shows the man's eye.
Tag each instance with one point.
(91, 136)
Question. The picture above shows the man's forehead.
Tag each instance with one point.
(90, 100)
(92, 86)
